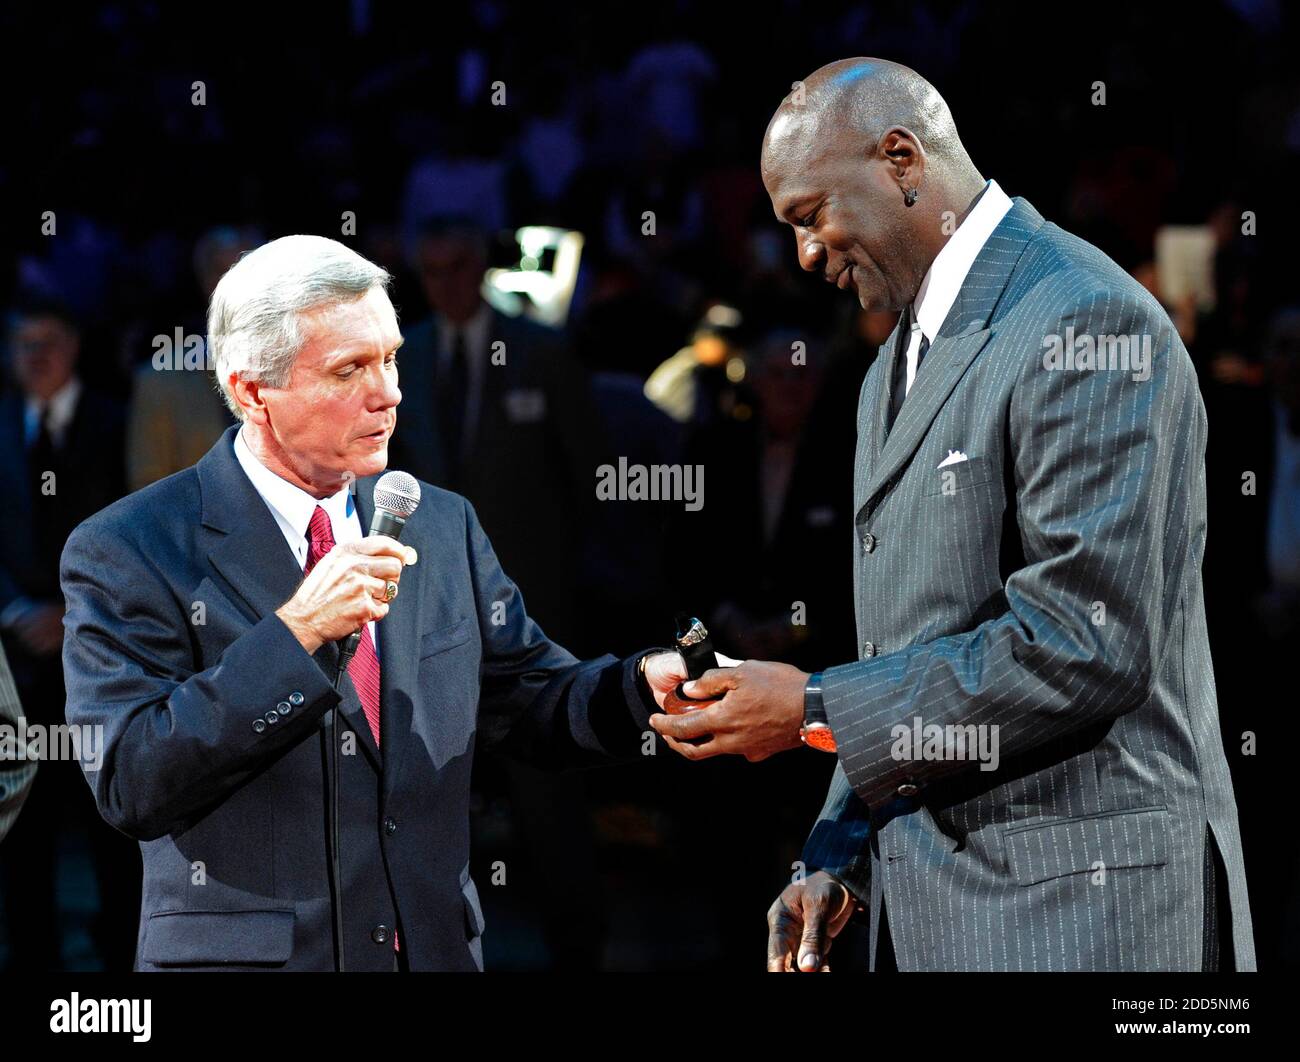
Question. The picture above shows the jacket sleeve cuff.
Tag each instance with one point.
(863, 701)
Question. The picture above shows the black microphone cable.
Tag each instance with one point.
(396, 497)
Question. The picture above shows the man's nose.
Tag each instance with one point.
(392, 394)
(811, 253)
(386, 392)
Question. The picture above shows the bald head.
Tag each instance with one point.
(863, 99)
(862, 158)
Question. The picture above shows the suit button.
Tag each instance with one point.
(868, 542)
(272, 718)
(284, 708)
(907, 789)
(868, 648)
(259, 725)
(379, 934)
(390, 825)
(296, 699)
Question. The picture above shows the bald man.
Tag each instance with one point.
(1030, 772)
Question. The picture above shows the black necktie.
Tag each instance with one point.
(921, 351)
(46, 490)
(451, 400)
(41, 453)
(899, 390)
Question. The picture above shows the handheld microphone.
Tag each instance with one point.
(397, 496)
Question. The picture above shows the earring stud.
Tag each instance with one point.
(909, 196)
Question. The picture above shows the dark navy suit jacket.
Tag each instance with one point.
(213, 745)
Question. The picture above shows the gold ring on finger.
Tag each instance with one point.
(390, 590)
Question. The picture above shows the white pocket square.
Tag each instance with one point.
(955, 457)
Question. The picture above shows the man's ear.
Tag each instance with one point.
(901, 148)
(248, 393)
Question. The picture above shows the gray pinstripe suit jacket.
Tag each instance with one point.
(1049, 585)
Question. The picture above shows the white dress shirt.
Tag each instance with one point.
(947, 273)
(62, 406)
(292, 508)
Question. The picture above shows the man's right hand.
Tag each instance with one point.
(345, 590)
(803, 921)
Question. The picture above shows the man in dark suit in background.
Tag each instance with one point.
(194, 639)
(495, 408)
(65, 461)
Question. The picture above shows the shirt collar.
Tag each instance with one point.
(947, 273)
(475, 329)
(290, 504)
(62, 406)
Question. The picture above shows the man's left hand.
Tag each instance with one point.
(663, 671)
(760, 712)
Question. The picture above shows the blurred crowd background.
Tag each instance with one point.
(674, 348)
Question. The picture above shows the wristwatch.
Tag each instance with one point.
(816, 731)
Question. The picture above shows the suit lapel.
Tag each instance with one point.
(880, 420)
(965, 332)
(945, 363)
(249, 551)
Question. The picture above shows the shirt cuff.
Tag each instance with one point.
(642, 686)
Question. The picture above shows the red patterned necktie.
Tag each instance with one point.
(364, 667)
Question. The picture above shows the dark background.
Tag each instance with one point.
(610, 111)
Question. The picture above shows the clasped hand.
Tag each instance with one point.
(756, 710)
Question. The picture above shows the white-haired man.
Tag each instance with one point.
(194, 639)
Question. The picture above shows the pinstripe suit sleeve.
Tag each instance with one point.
(16, 778)
(1096, 456)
